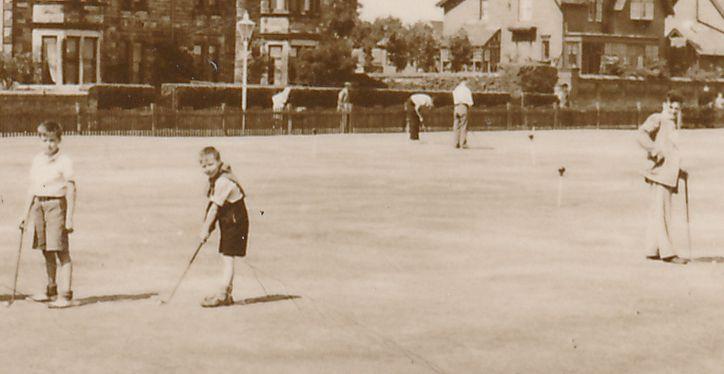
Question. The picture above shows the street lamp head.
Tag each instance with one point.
(245, 26)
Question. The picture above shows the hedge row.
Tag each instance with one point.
(107, 96)
(201, 97)
(125, 96)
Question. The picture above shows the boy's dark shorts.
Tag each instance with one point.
(234, 229)
(49, 224)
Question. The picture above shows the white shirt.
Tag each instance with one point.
(462, 95)
(421, 100)
(280, 100)
(225, 190)
(49, 175)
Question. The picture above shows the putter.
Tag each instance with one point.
(688, 221)
(17, 268)
(183, 275)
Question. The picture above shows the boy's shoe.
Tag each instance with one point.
(217, 300)
(64, 301)
(50, 294)
(60, 303)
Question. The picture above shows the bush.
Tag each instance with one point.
(537, 78)
(125, 96)
(202, 97)
(19, 68)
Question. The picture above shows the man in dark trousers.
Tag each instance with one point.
(415, 105)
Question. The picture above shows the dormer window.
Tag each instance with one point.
(642, 10)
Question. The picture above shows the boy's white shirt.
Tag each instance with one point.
(225, 190)
(49, 175)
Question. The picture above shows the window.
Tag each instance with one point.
(599, 10)
(280, 6)
(595, 10)
(89, 59)
(546, 48)
(208, 7)
(642, 10)
(70, 56)
(526, 10)
(137, 63)
(484, 7)
(572, 55)
(213, 62)
(524, 35)
(652, 53)
(71, 60)
(49, 59)
(134, 5)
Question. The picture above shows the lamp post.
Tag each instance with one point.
(245, 28)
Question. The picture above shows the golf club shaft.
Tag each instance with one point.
(17, 268)
(688, 221)
(183, 275)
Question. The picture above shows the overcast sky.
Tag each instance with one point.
(409, 11)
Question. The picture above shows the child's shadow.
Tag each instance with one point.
(266, 299)
(113, 298)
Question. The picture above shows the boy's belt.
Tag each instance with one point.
(49, 198)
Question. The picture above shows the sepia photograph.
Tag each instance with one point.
(361, 186)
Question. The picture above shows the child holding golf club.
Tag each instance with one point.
(226, 206)
(658, 136)
(51, 204)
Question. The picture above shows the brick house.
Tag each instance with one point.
(505, 31)
(88, 41)
(285, 28)
(570, 34)
(602, 33)
(696, 36)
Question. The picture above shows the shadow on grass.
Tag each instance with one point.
(266, 299)
(18, 296)
(113, 298)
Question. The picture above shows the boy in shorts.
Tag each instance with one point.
(51, 203)
(226, 206)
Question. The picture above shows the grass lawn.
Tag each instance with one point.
(375, 255)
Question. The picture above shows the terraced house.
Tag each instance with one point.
(86, 41)
(572, 34)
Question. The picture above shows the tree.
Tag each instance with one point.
(329, 64)
(461, 51)
(171, 64)
(340, 18)
(423, 46)
(398, 51)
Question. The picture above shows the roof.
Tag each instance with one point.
(668, 6)
(442, 3)
(479, 34)
(706, 41)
